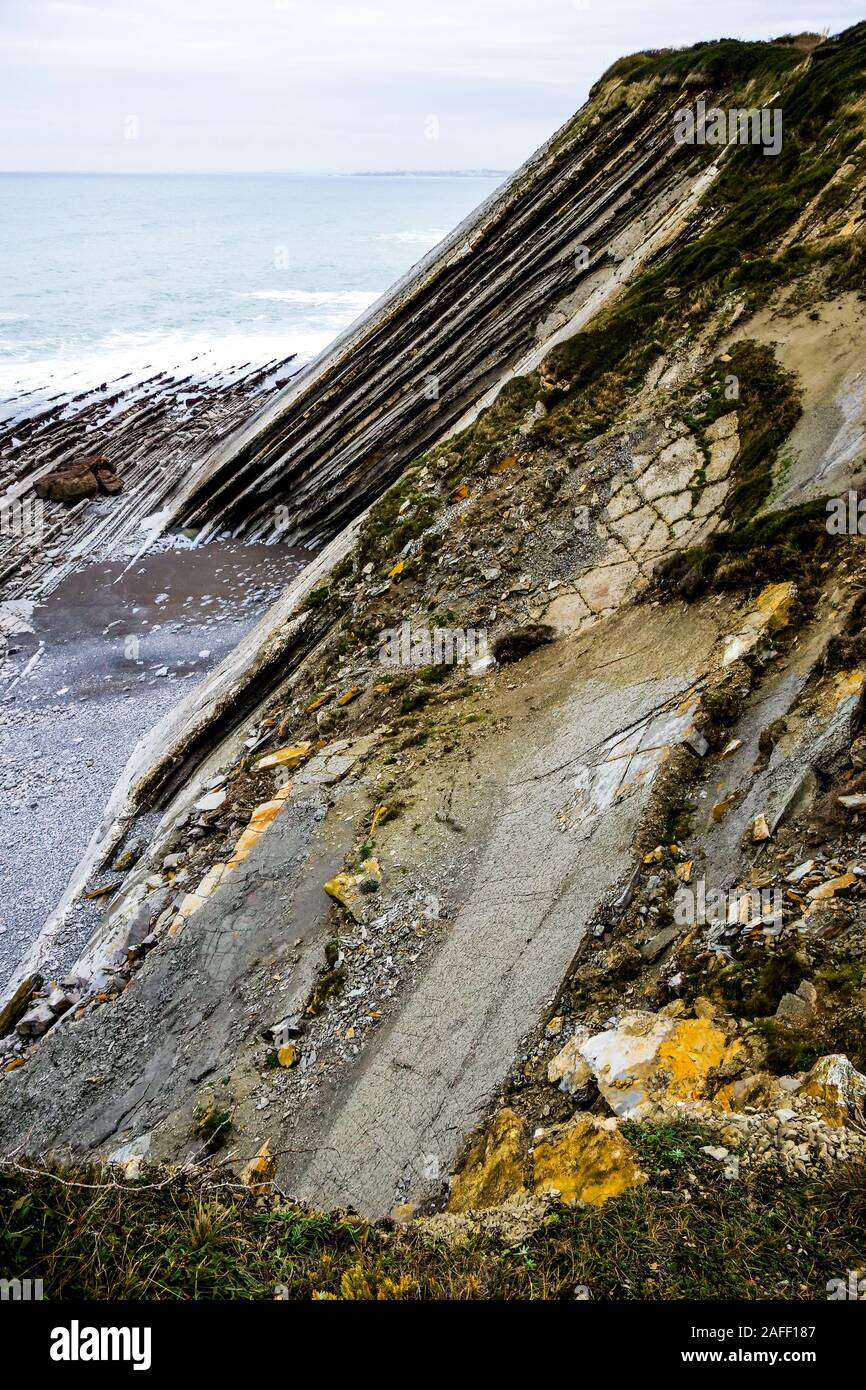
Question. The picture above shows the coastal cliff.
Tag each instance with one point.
(408, 902)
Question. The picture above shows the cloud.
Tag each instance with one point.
(333, 85)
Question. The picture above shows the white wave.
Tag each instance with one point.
(349, 299)
(74, 368)
(138, 356)
(416, 236)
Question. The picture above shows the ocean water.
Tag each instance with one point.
(103, 276)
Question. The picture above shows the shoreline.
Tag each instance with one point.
(155, 432)
(95, 649)
(96, 666)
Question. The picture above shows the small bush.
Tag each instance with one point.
(520, 641)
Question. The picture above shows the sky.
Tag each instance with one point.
(134, 86)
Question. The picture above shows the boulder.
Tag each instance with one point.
(652, 1058)
(290, 757)
(585, 1160)
(495, 1167)
(95, 462)
(75, 480)
(67, 486)
(806, 990)
(653, 948)
(35, 1022)
(760, 1090)
(837, 1087)
(15, 1006)
(570, 1071)
(108, 481)
(142, 922)
(774, 610)
(794, 1010)
(258, 1172)
(59, 1000)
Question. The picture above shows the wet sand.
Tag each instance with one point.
(105, 656)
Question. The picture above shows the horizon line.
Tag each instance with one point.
(254, 173)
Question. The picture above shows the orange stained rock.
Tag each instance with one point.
(495, 1167)
(585, 1160)
(318, 702)
(257, 1172)
(693, 1050)
(290, 757)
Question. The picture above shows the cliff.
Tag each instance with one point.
(419, 919)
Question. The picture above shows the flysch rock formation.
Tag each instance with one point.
(536, 260)
(151, 433)
(387, 899)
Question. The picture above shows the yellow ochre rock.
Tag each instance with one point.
(832, 887)
(838, 1087)
(496, 1165)
(263, 815)
(760, 828)
(773, 610)
(649, 1058)
(403, 1213)
(774, 604)
(585, 1160)
(569, 1069)
(290, 757)
(351, 889)
(318, 701)
(257, 1173)
(843, 686)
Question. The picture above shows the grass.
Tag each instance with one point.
(719, 62)
(789, 544)
(387, 528)
(688, 1233)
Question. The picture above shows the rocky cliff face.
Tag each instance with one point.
(608, 192)
(426, 843)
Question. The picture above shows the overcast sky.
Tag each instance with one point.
(330, 85)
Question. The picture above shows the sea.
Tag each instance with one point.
(108, 276)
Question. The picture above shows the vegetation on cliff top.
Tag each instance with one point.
(712, 64)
